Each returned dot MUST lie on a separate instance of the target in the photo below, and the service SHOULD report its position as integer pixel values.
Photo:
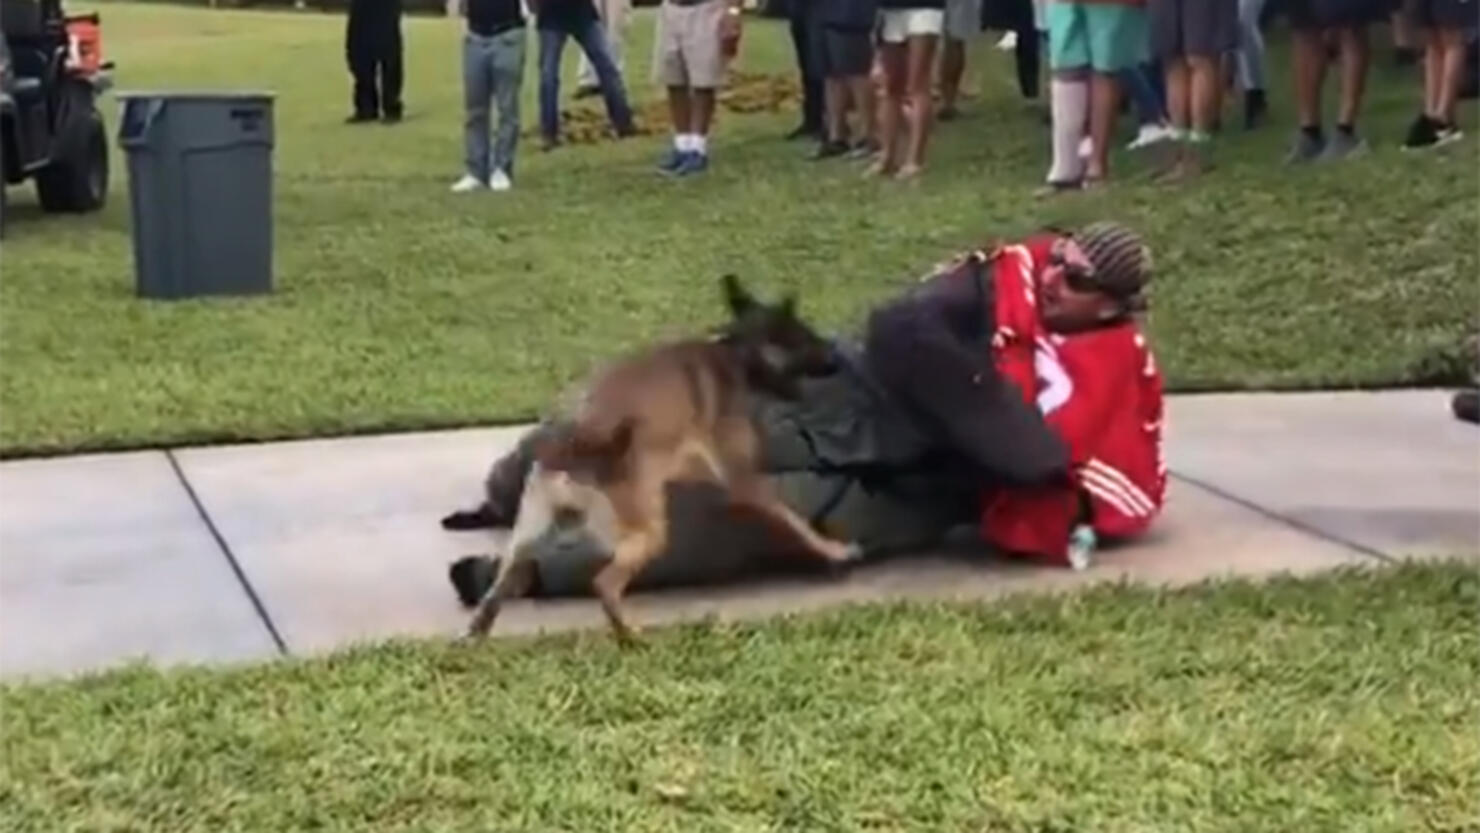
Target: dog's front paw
(465, 519)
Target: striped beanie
(1121, 259)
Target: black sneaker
(829, 150)
(1447, 133)
(360, 118)
(1422, 133)
(391, 117)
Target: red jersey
(1101, 392)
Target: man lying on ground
(1010, 393)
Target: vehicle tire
(78, 182)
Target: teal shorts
(1105, 37)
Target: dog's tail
(588, 446)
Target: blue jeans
(1142, 84)
(493, 68)
(592, 40)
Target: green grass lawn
(1342, 703)
(403, 306)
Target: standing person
(613, 15)
(909, 33)
(805, 41)
(493, 68)
(695, 40)
(1249, 61)
(963, 22)
(557, 20)
(1090, 43)
(1314, 21)
(1446, 25)
(846, 51)
(1190, 38)
(372, 47)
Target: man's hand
(729, 31)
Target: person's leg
(801, 42)
(592, 40)
(1407, 46)
(1026, 56)
(920, 58)
(1310, 76)
(1069, 91)
(508, 82)
(478, 85)
(1250, 62)
(892, 57)
(1104, 107)
(552, 43)
(1355, 57)
(952, 69)
(1452, 70)
(680, 113)
(391, 75)
(671, 70)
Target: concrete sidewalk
(241, 553)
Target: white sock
(699, 143)
(1070, 105)
(681, 142)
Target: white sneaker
(1086, 147)
(1008, 42)
(466, 184)
(1150, 134)
(500, 181)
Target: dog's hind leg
(754, 493)
(514, 580)
(517, 571)
(641, 513)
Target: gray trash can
(200, 191)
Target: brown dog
(676, 411)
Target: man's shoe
(360, 118)
(1151, 134)
(1344, 145)
(585, 91)
(1422, 133)
(467, 184)
(672, 161)
(391, 117)
(693, 163)
(1307, 148)
(500, 181)
(830, 150)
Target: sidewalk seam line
(225, 548)
(1297, 525)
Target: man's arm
(931, 349)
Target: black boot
(1466, 405)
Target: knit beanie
(1121, 259)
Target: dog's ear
(737, 297)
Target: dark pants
(373, 49)
(809, 65)
(1029, 47)
(591, 37)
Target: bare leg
(679, 109)
(1452, 71)
(1310, 75)
(892, 59)
(921, 60)
(1433, 73)
(1104, 105)
(702, 114)
(952, 69)
(835, 91)
(862, 96)
(1355, 57)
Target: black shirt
(490, 17)
(565, 15)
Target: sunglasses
(1077, 276)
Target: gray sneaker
(1306, 149)
(1344, 146)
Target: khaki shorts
(687, 50)
(899, 25)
